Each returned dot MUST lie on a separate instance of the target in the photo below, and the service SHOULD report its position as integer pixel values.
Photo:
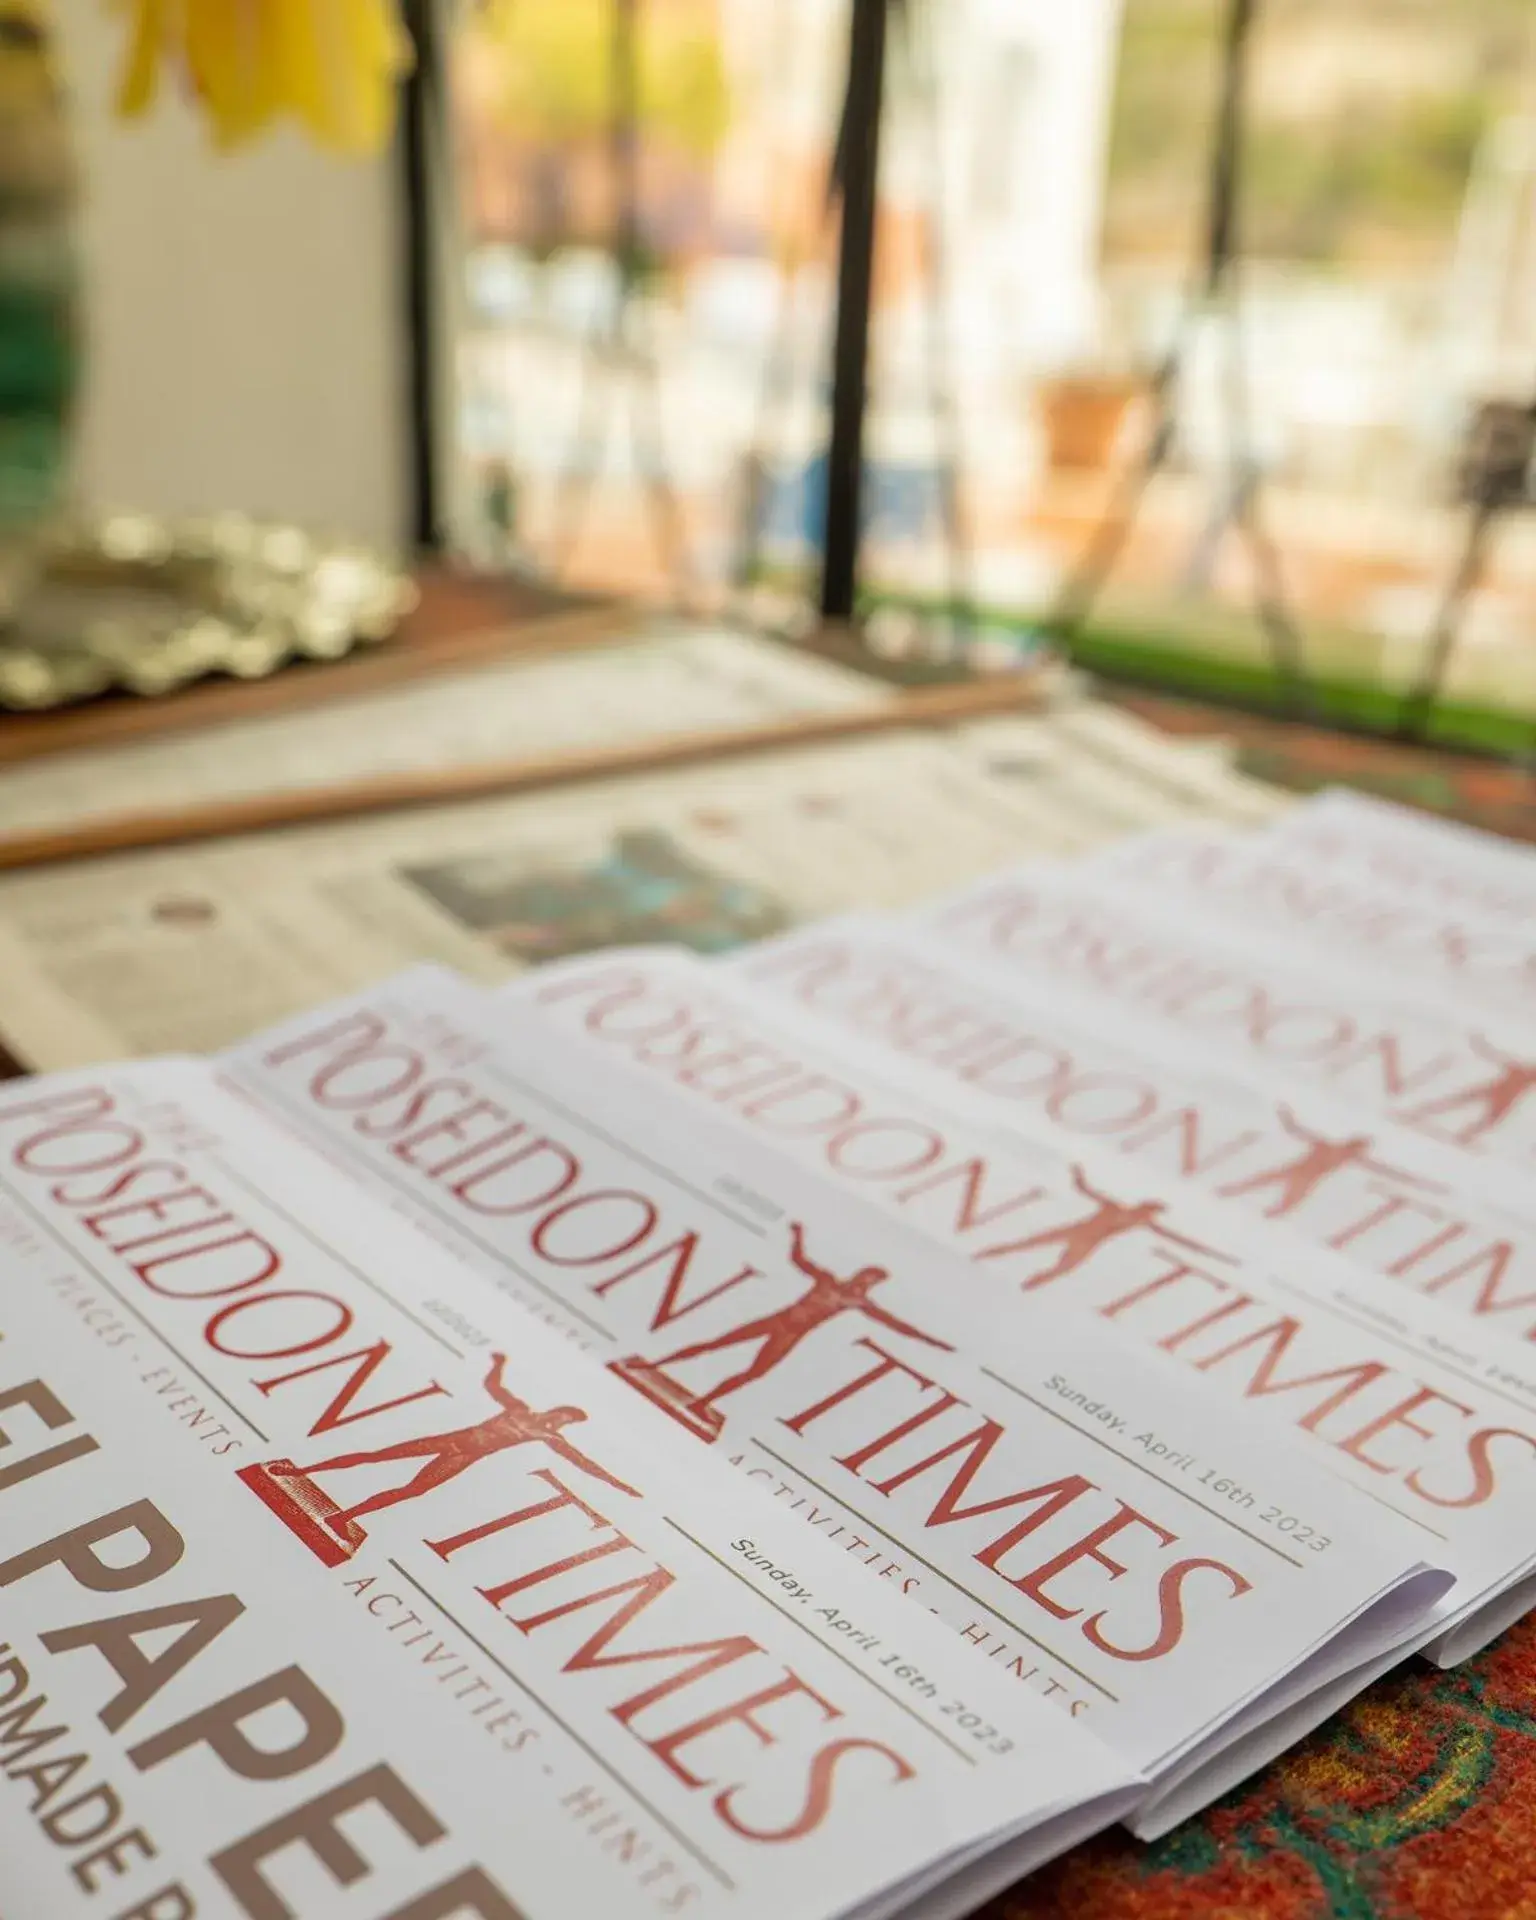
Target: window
(653, 413)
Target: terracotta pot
(1086, 418)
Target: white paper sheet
(1464, 1079)
(1113, 773)
(1424, 858)
(1455, 956)
(557, 1660)
(1047, 1227)
(1430, 1217)
(704, 1270)
(190, 950)
(655, 682)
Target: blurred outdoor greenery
(1366, 118)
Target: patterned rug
(1417, 1803)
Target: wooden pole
(270, 812)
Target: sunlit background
(655, 416)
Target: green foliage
(552, 61)
(1315, 193)
(1170, 665)
(1377, 161)
(1163, 96)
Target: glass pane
(654, 413)
(1387, 297)
(610, 402)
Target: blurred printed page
(160, 952)
(659, 682)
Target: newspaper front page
(655, 681)
(807, 1337)
(190, 950)
(337, 1586)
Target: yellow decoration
(333, 65)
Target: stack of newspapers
(817, 1432)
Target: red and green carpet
(1417, 1803)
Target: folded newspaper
(1417, 857)
(846, 1363)
(1447, 950)
(1431, 1216)
(1421, 1412)
(336, 1585)
(1459, 1070)
(820, 1431)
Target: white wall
(1036, 255)
(244, 315)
